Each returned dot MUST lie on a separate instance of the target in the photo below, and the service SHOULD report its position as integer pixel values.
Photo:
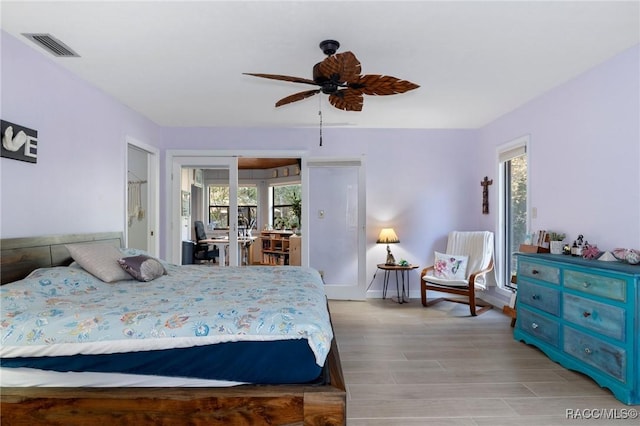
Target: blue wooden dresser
(584, 315)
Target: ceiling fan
(339, 77)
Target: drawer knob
(586, 314)
(587, 351)
(586, 284)
(534, 325)
(535, 297)
(535, 271)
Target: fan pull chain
(320, 114)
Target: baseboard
(374, 294)
(493, 299)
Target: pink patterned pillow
(450, 267)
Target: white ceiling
(181, 63)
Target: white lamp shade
(387, 236)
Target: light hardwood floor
(409, 365)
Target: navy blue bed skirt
(274, 362)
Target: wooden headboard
(20, 256)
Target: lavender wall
(584, 153)
(423, 183)
(78, 183)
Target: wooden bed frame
(320, 404)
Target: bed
(188, 391)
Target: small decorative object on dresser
(578, 245)
(630, 256)
(556, 242)
(538, 242)
(583, 315)
(607, 257)
(590, 251)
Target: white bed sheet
(30, 377)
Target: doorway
(142, 195)
(180, 223)
(223, 161)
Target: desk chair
(203, 251)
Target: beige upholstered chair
(477, 248)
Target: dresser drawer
(538, 326)
(543, 298)
(607, 358)
(598, 285)
(600, 317)
(550, 274)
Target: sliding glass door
(514, 196)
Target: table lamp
(388, 236)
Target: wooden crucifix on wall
(485, 194)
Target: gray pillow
(142, 268)
(100, 260)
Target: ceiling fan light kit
(339, 76)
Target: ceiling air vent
(51, 44)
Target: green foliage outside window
(519, 200)
(219, 205)
(287, 206)
(517, 179)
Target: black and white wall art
(18, 142)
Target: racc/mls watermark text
(601, 413)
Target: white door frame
(153, 193)
(176, 159)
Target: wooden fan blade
(347, 99)
(297, 97)
(341, 68)
(374, 84)
(283, 78)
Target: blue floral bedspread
(67, 311)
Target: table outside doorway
(401, 270)
(222, 243)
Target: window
(219, 206)
(513, 207)
(285, 206)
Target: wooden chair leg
(425, 301)
(423, 292)
(472, 301)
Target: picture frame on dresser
(583, 314)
